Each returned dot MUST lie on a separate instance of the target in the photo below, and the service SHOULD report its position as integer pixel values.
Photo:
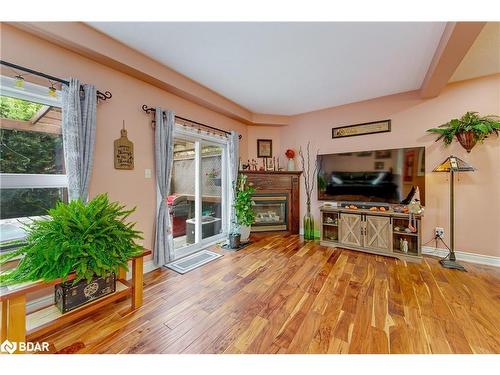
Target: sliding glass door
(199, 191)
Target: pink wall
(129, 187)
(477, 194)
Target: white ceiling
(289, 68)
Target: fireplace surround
(276, 200)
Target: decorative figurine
(254, 164)
(404, 247)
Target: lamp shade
(453, 164)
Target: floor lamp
(452, 164)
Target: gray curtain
(234, 164)
(164, 139)
(78, 129)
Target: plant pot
(467, 140)
(69, 296)
(245, 232)
(234, 241)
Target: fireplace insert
(271, 212)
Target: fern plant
(480, 126)
(90, 239)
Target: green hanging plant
(90, 239)
(468, 129)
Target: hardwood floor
(283, 295)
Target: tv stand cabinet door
(350, 230)
(378, 233)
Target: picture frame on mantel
(364, 128)
(264, 148)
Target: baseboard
(47, 300)
(148, 266)
(487, 260)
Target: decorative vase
(291, 165)
(245, 232)
(308, 226)
(404, 246)
(467, 140)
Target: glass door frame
(199, 139)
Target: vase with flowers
(309, 180)
(290, 154)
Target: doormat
(242, 245)
(193, 261)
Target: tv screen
(386, 176)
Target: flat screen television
(385, 176)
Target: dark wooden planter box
(69, 296)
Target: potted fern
(91, 239)
(469, 129)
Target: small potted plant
(244, 214)
(91, 239)
(214, 175)
(243, 207)
(469, 129)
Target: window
(32, 173)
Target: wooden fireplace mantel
(286, 182)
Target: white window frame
(37, 94)
(198, 138)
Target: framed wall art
(362, 129)
(264, 148)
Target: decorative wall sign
(124, 151)
(264, 148)
(362, 129)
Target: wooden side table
(17, 326)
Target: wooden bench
(17, 326)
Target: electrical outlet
(439, 232)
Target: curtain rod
(100, 95)
(148, 110)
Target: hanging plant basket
(468, 129)
(467, 140)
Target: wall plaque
(124, 151)
(362, 129)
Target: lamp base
(446, 263)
